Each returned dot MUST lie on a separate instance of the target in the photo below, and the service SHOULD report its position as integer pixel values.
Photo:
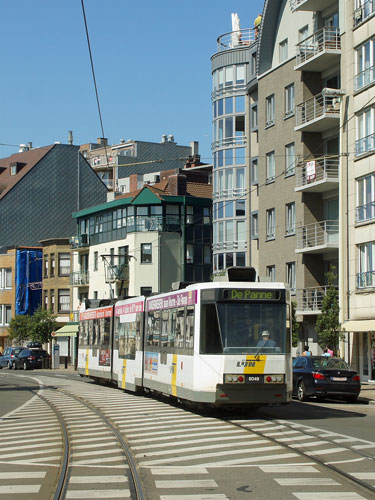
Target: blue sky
(152, 64)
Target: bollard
(66, 362)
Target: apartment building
(142, 242)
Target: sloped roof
(199, 190)
(27, 160)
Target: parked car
(7, 359)
(323, 376)
(30, 358)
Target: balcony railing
(365, 145)
(118, 272)
(325, 42)
(239, 140)
(365, 212)
(79, 278)
(79, 241)
(320, 112)
(100, 162)
(364, 78)
(236, 39)
(366, 280)
(364, 11)
(310, 300)
(228, 90)
(317, 236)
(319, 175)
(229, 193)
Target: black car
(30, 358)
(323, 376)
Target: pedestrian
(326, 353)
(329, 350)
(307, 351)
(257, 24)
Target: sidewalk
(368, 392)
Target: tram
(217, 344)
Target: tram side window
(92, 324)
(153, 328)
(104, 329)
(127, 339)
(164, 328)
(180, 327)
(189, 337)
(83, 329)
(138, 336)
(210, 341)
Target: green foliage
(327, 324)
(295, 325)
(43, 324)
(36, 328)
(20, 328)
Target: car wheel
(24, 365)
(10, 366)
(301, 394)
(351, 399)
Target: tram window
(104, 327)
(127, 338)
(85, 332)
(180, 327)
(90, 332)
(173, 327)
(189, 339)
(164, 328)
(210, 342)
(138, 334)
(153, 328)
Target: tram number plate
(339, 379)
(254, 379)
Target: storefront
(66, 338)
(360, 347)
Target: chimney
(133, 182)
(30, 145)
(70, 137)
(194, 146)
(171, 138)
(103, 141)
(164, 138)
(177, 184)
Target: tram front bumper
(252, 394)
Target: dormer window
(13, 169)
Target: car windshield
(330, 363)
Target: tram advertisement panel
(104, 357)
(171, 301)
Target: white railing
(327, 102)
(366, 280)
(229, 193)
(310, 300)
(365, 145)
(324, 169)
(327, 38)
(229, 141)
(79, 278)
(236, 39)
(318, 234)
(364, 11)
(365, 212)
(364, 78)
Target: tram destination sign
(246, 294)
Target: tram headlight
(234, 379)
(274, 379)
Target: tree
(19, 328)
(43, 324)
(295, 325)
(327, 324)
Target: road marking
(20, 489)
(288, 468)
(90, 453)
(306, 481)
(101, 494)
(176, 442)
(363, 475)
(310, 444)
(208, 496)
(197, 427)
(187, 483)
(326, 451)
(345, 495)
(297, 438)
(170, 436)
(97, 479)
(98, 460)
(240, 461)
(178, 470)
(110, 442)
(22, 475)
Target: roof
(199, 190)
(26, 161)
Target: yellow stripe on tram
(87, 362)
(174, 375)
(123, 374)
(255, 364)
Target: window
(283, 50)
(206, 215)
(241, 231)
(289, 100)
(270, 110)
(146, 290)
(240, 77)
(254, 226)
(365, 131)
(240, 208)
(13, 169)
(123, 255)
(270, 159)
(271, 273)
(52, 261)
(303, 33)
(254, 117)
(189, 253)
(290, 219)
(253, 63)
(366, 198)
(254, 171)
(96, 255)
(240, 178)
(112, 256)
(146, 253)
(45, 267)
(206, 254)
(5, 278)
(290, 159)
(365, 64)
(64, 264)
(64, 300)
(363, 9)
(366, 261)
(45, 299)
(270, 224)
(98, 224)
(291, 276)
(5, 314)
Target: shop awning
(69, 330)
(364, 325)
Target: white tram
(204, 344)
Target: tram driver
(265, 341)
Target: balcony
(238, 140)
(310, 300)
(319, 175)
(241, 39)
(319, 113)
(366, 280)
(364, 78)
(308, 5)
(319, 51)
(102, 163)
(365, 145)
(320, 237)
(365, 212)
(80, 241)
(115, 273)
(79, 278)
(366, 10)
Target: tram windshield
(244, 328)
